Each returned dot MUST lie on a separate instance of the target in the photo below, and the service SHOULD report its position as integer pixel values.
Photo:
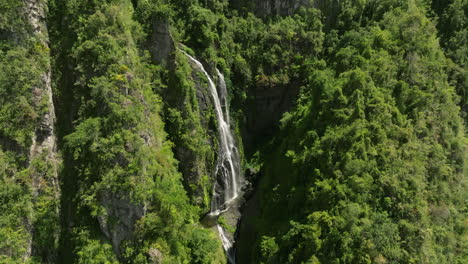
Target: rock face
(120, 218)
(161, 44)
(43, 148)
(156, 257)
(265, 108)
(44, 139)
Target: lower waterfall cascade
(228, 174)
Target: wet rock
(209, 220)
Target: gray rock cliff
(43, 147)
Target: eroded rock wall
(43, 157)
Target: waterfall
(228, 172)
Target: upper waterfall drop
(228, 182)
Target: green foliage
(45, 206)
(268, 248)
(119, 146)
(28, 197)
(201, 24)
(13, 25)
(188, 125)
(222, 221)
(15, 208)
(92, 250)
(374, 143)
(453, 31)
(21, 69)
(204, 246)
(368, 154)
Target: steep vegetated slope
(350, 114)
(130, 204)
(28, 160)
(369, 166)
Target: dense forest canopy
(350, 118)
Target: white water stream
(228, 173)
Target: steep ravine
(211, 106)
(228, 201)
(263, 112)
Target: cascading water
(228, 172)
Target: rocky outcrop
(161, 44)
(43, 150)
(156, 257)
(119, 219)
